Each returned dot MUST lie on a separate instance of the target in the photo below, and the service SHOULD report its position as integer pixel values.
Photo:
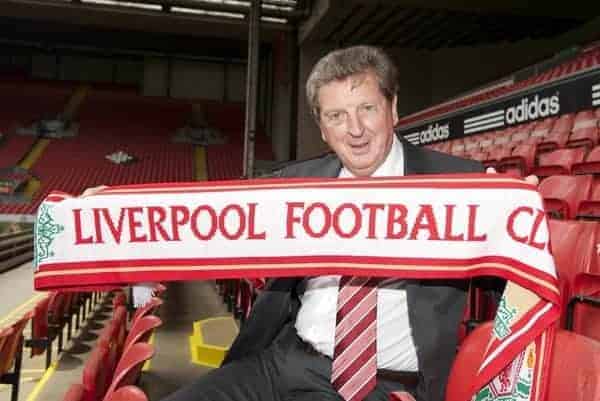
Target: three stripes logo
(484, 122)
(431, 134)
(596, 95)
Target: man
(284, 350)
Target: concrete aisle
(171, 368)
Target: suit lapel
(414, 163)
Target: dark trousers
(286, 371)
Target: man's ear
(395, 118)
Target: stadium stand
(585, 61)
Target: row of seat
(524, 147)
(48, 319)
(114, 366)
(587, 60)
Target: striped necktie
(354, 367)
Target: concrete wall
(309, 142)
(84, 68)
(414, 76)
(156, 77)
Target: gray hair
(342, 63)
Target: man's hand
(92, 191)
(531, 179)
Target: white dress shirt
(315, 322)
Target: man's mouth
(359, 148)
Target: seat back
(130, 366)
(559, 161)
(39, 324)
(562, 194)
(127, 393)
(5, 334)
(141, 330)
(96, 374)
(574, 367)
(13, 344)
(75, 393)
(586, 312)
(573, 245)
(591, 165)
(149, 308)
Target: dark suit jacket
(435, 306)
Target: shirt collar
(393, 165)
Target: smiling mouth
(359, 148)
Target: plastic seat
(127, 393)
(584, 306)
(573, 245)
(586, 137)
(130, 366)
(496, 154)
(522, 159)
(574, 367)
(11, 355)
(40, 335)
(585, 119)
(562, 194)
(141, 330)
(558, 162)
(591, 164)
(75, 393)
(96, 374)
(589, 208)
(150, 308)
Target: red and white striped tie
(354, 367)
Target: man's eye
(368, 107)
(335, 116)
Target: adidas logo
(533, 109)
(432, 133)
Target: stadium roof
(430, 24)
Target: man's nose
(355, 125)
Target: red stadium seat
(141, 330)
(120, 299)
(40, 340)
(149, 308)
(113, 336)
(11, 355)
(75, 392)
(562, 194)
(522, 132)
(522, 159)
(127, 393)
(587, 137)
(589, 208)
(558, 162)
(585, 119)
(574, 366)
(591, 164)
(97, 374)
(479, 155)
(584, 306)
(496, 154)
(573, 244)
(553, 141)
(130, 366)
(543, 127)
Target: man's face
(357, 122)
